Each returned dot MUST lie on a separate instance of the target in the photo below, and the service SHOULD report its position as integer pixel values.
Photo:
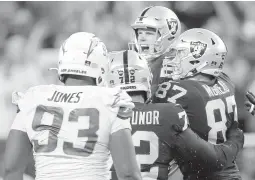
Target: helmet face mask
(172, 65)
(83, 54)
(166, 25)
(130, 72)
(196, 51)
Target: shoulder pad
(226, 78)
(22, 99)
(17, 96)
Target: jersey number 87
(216, 121)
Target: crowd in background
(31, 33)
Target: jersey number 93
(55, 127)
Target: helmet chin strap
(196, 70)
(150, 57)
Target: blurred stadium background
(31, 33)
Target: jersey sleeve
(19, 122)
(119, 124)
(183, 117)
(176, 117)
(24, 102)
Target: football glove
(236, 134)
(249, 105)
(125, 104)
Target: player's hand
(235, 134)
(123, 100)
(249, 105)
(125, 104)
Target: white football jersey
(69, 127)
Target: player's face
(146, 38)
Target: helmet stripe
(63, 48)
(91, 49)
(125, 62)
(143, 13)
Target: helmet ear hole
(63, 78)
(170, 38)
(194, 62)
(213, 42)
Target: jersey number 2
(54, 128)
(152, 156)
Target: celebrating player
(195, 61)
(160, 131)
(74, 128)
(154, 30)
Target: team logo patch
(197, 49)
(87, 63)
(172, 26)
(132, 71)
(111, 82)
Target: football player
(249, 105)
(160, 131)
(195, 62)
(73, 128)
(154, 30)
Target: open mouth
(145, 48)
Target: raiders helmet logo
(172, 26)
(111, 82)
(197, 49)
(120, 72)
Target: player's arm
(123, 155)
(121, 144)
(250, 104)
(17, 151)
(190, 147)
